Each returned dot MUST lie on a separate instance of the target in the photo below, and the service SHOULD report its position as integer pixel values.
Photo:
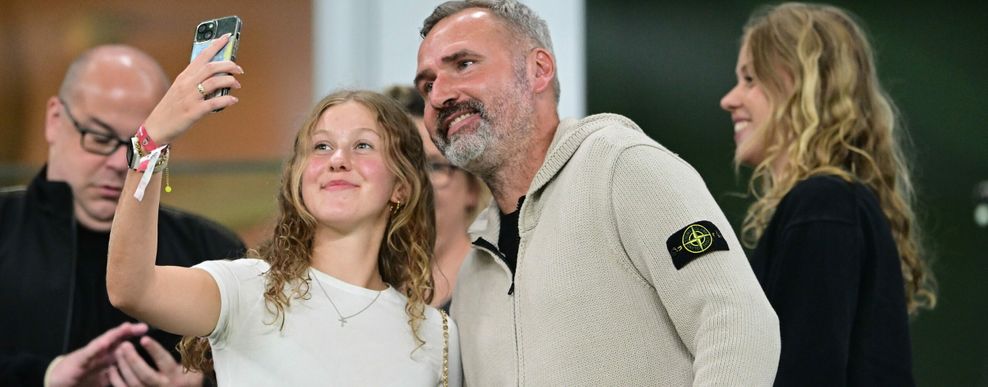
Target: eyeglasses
(440, 173)
(94, 141)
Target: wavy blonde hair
(830, 116)
(406, 250)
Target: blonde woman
(836, 247)
(339, 294)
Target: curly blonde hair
(406, 250)
(830, 116)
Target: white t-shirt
(374, 348)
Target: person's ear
(400, 193)
(53, 117)
(544, 65)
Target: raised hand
(185, 102)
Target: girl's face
(346, 183)
(750, 111)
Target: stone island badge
(694, 241)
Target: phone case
(209, 30)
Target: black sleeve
(221, 243)
(815, 296)
(17, 368)
(217, 241)
(186, 239)
(22, 369)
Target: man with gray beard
(603, 260)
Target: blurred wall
(227, 166)
(666, 64)
(374, 44)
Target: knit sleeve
(714, 300)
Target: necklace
(342, 318)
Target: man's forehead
(457, 32)
(115, 93)
(118, 110)
(461, 25)
(121, 74)
(469, 15)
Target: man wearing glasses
(59, 327)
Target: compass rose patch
(693, 241)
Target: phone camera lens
(205, 31)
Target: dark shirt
(94, 313)
(830, 267)
(508, 238)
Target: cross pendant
(342, 322)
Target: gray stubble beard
(484, 150)
(463, 149)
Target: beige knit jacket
(597, 300)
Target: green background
(667, 64)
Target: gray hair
(521, 21)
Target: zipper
(514, 318)
(70, 308)
(519, 365)
(489, 247)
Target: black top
(53, 273)
(94, 313)
(830, 268)
(508, 238)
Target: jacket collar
(53, 197)
(568, 138)
(570, 134)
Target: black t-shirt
(508, 238)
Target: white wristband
(152, 160)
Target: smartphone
(207, 31)
(136, 342)
(165, 339)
